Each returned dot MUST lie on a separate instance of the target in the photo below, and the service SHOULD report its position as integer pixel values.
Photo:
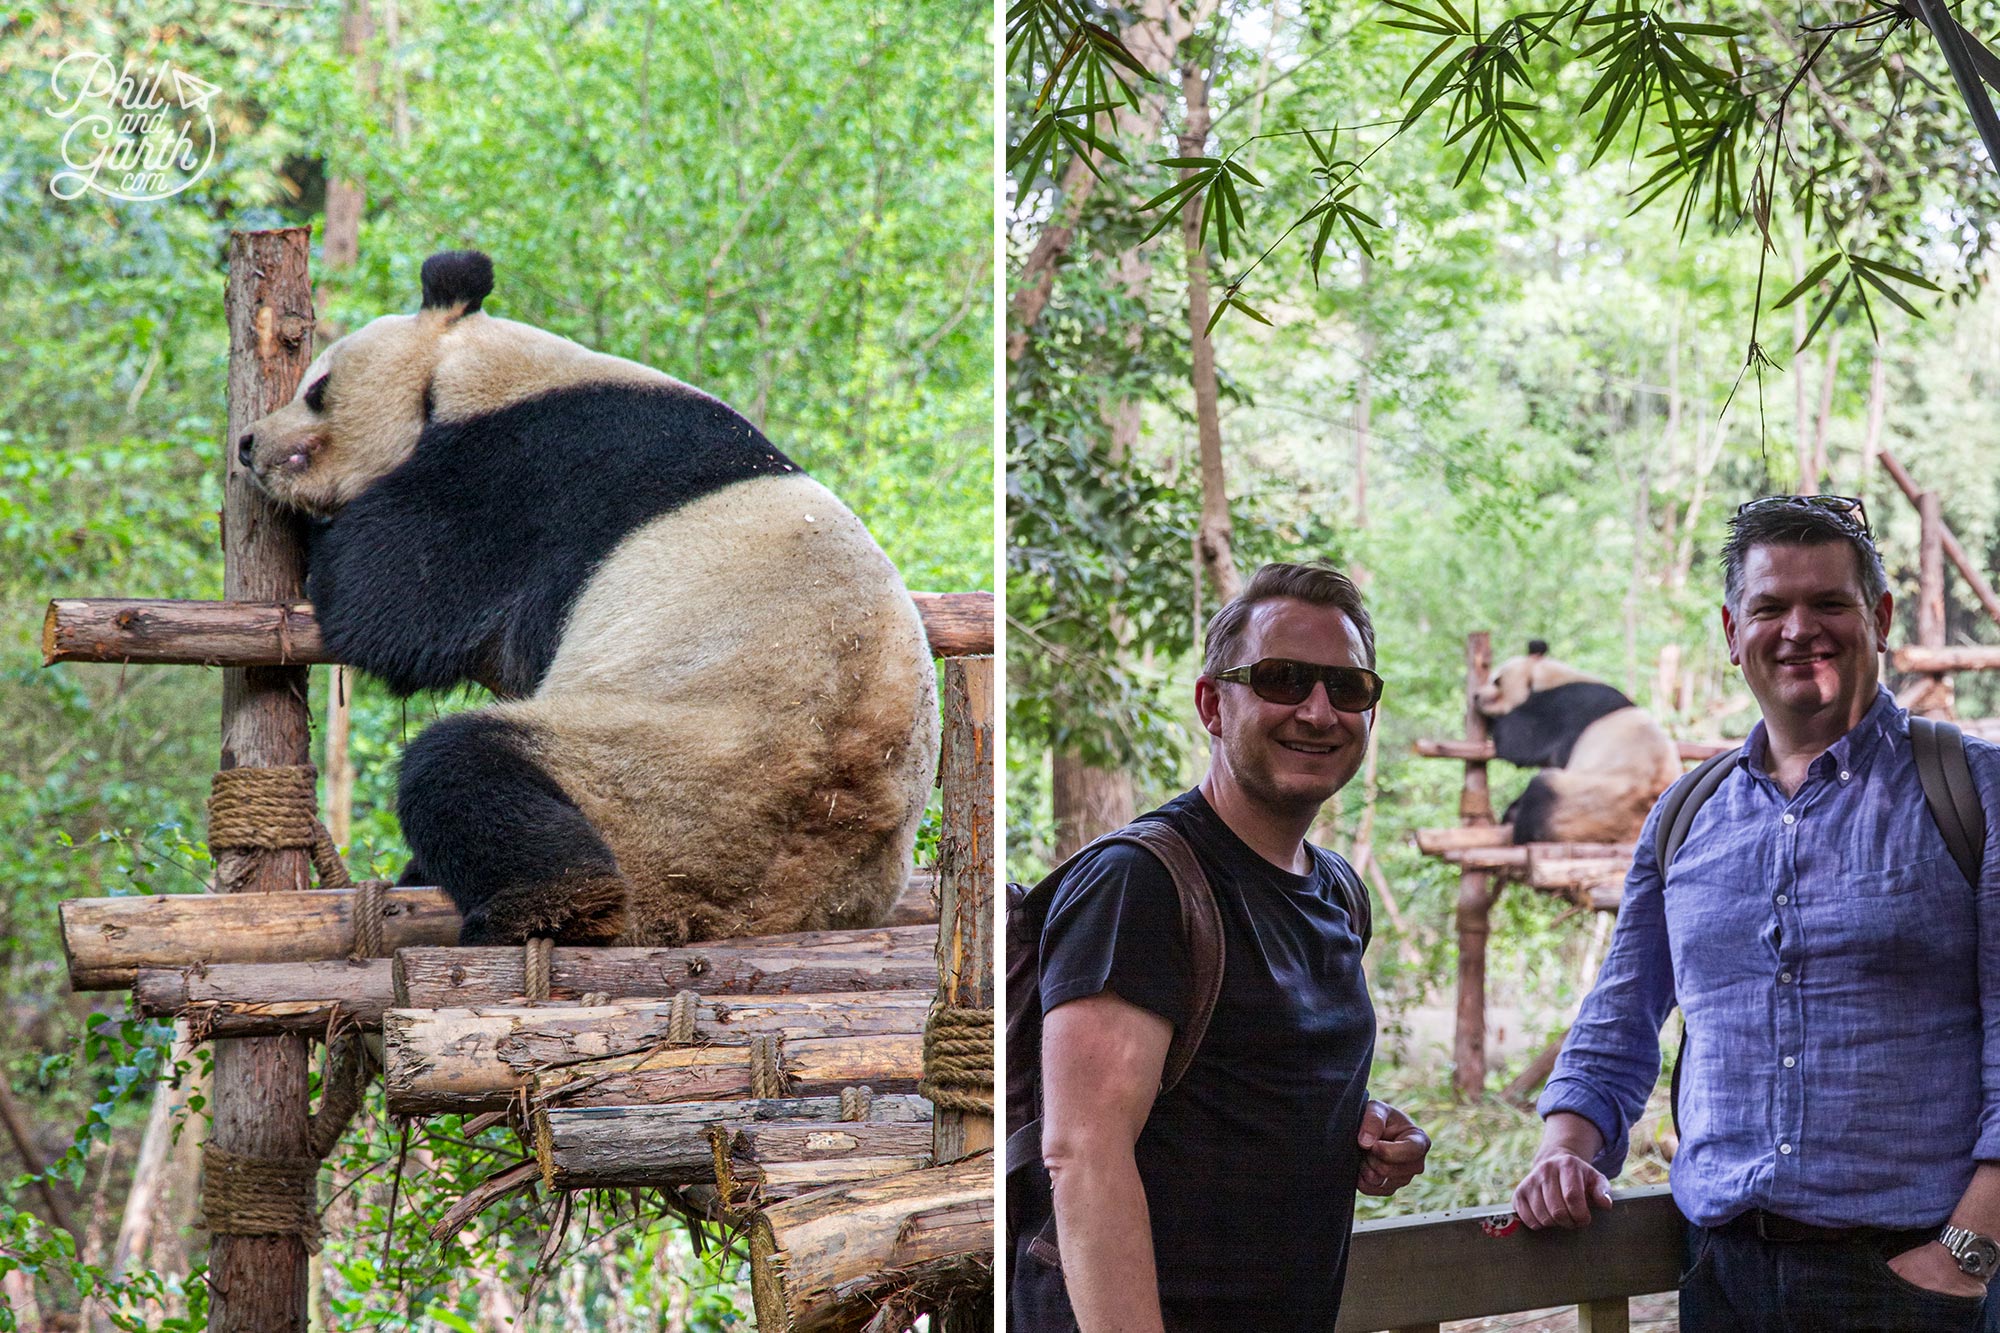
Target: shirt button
(1782, 900)
(1790, 1061)
(1784, 976)
(1785, 1148)
(1791, 819)
(1845, 775)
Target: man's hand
(1392, 1150)
(1560, 1190)
(1931, 1267)
(1562, 1187)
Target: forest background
(1511, 306)
(788, 204)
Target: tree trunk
(1214, 539)
(1824, 421)
(1089, 801)
(161, 1203)
(1878, 398)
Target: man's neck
(1279, 837)
(1791, 742)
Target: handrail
(1420, 1271)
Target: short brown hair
(1319, 584)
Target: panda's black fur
(1542, 732)
(717, 707)
(522, 506)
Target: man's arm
(1102, 1058)
(1929, 1265)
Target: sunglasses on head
(1280, 680)
(1847, 508)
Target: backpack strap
(1201, 925)
(1939, 751)
(1684, 801)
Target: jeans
(1736, 1283)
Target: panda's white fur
(718, 708)
(1605, 761)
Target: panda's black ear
(457, 277)
(1538, 648)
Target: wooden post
(1611, 1315)
(1475, 887)
(965, 912)
(1937, 697)
(258, 1283)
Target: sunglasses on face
(1847, 508)
(1280, 680)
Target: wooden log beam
(885, 958)
(965, 860)
(1433, 1268)
(1953, 551)
(258, 1282)
(1579, 873)
(263, 999)
(109, 940)
(758, 1165)
(486, 1055)
(823, 1065)
(1439, 841)
(1923, 659)
(1476, 890)
(247, 633)
(824, 1261)
(606, 1147)
(1691, 752)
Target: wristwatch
(1977, 1255)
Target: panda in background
(718, 707)
(1606, 760)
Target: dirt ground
(1654, 1314)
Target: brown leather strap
(1201, 925)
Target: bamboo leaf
(1820, 270)
(1831, 302)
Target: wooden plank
(1577, 873)
(758, 1165)
(1472, 918)
(825, 1261)
(1438, 841)
(252, 632)
(886, 958)
(486, 1055)
(108, 940)
(601, 1147)
(1438, 1267)
(719, 1073)
(263, 999)
(1610, 1315)
(1482, 751)
(1952, 549)
(1925, 659)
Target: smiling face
(1286, 758)
(1808, 643)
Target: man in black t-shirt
(1226, 1203)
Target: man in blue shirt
(1839, 979)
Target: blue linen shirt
(1840, 982)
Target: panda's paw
(578, 910)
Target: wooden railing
(1411, 1274)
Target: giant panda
(717, 707)
(1604, 759)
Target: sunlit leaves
(1212, 180)
(1484, 82)
(1065, 53)
(1647, 66)
(1861, 275)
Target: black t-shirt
(1250, 1162)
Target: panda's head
(366, 400)
(1518, 677)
